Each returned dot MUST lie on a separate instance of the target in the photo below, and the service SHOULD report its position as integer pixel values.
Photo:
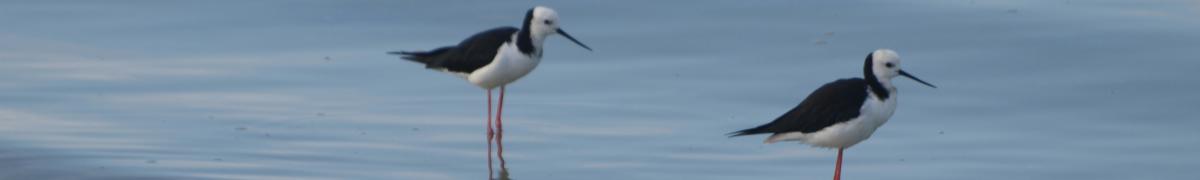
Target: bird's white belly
(873, 114)
(506, 68)
(844, 134)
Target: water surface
(303, 90)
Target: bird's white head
(885, 65)
(542, 22)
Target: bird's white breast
(508, 66)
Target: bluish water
(303, 90)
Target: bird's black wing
(477, 51)
(470, 54)
(833, 103)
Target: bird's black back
(835, 102)
(472, 53)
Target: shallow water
(303, 90)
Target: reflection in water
(500, 154)
(499, 137)
(491, 175)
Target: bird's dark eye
(548, 22)
(890, 65)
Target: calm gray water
(303, 90)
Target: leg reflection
(500, 153)
(499, 137)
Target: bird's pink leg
(499, 111)
(489, 133)
(489, 119)
(837, 172)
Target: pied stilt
(496, 57)
(841, 113)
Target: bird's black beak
(564, 33)
(910, 76)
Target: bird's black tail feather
(411, 56)
(423, 57)
(751, 131)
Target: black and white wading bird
(843, 112)
(496, 57)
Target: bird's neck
(881, 87)
(529, 43)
